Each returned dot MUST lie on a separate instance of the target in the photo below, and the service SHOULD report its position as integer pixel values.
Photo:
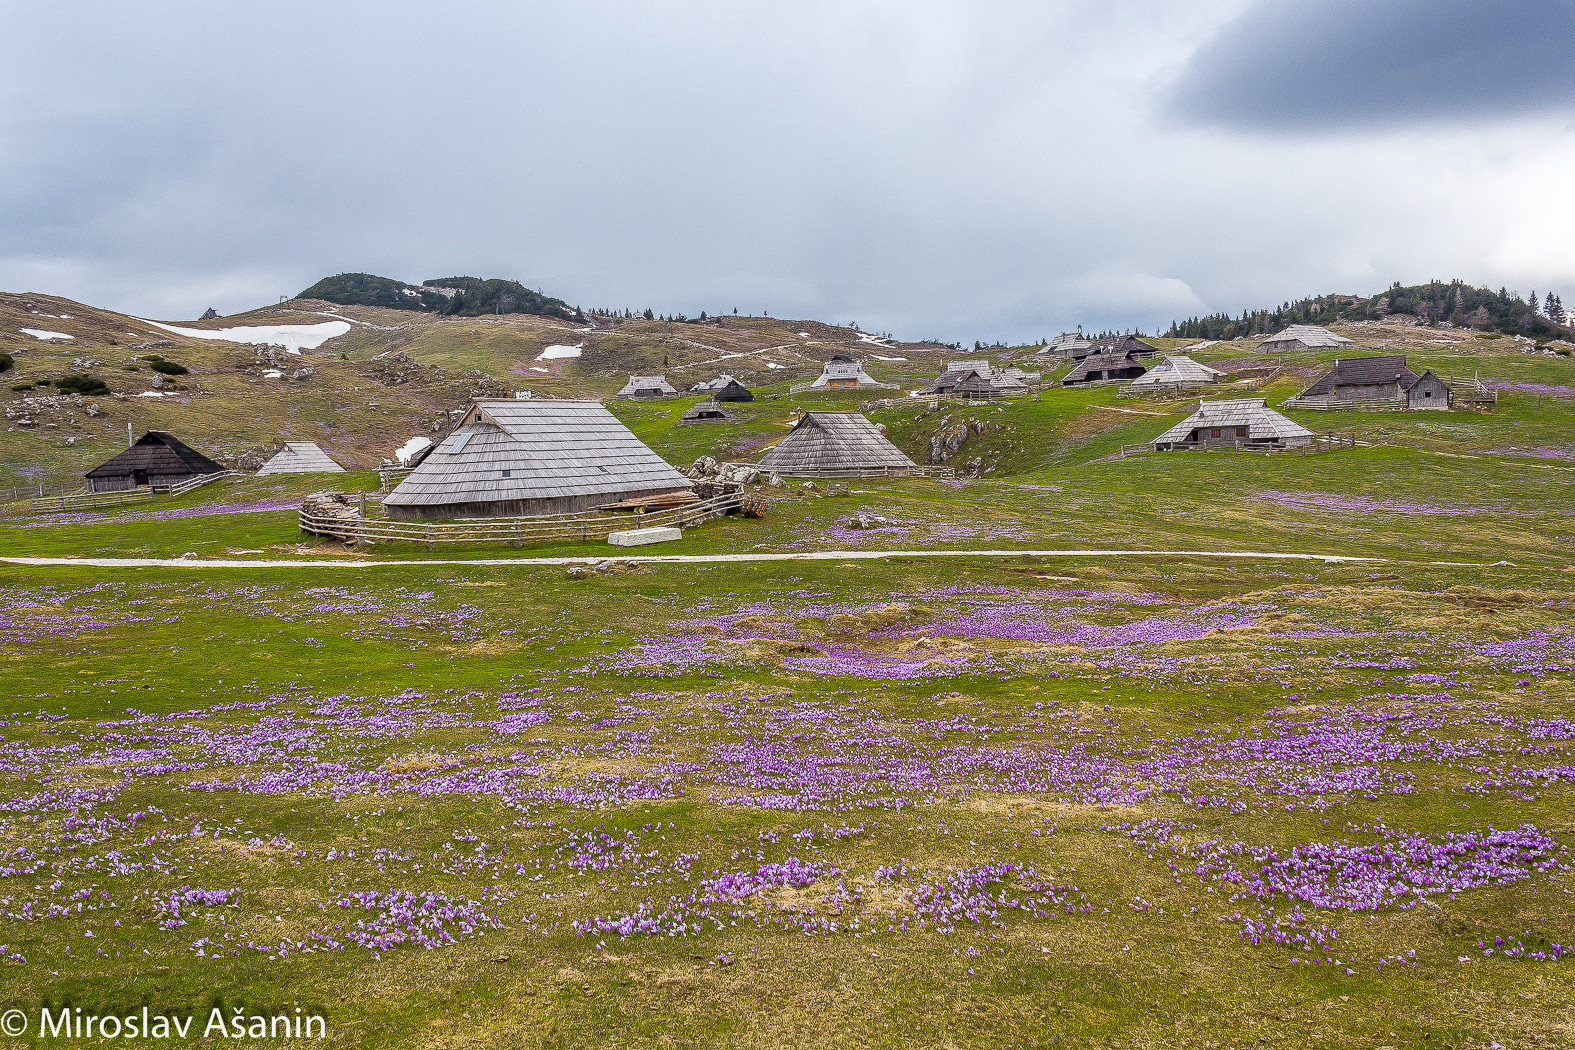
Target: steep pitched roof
(1364, 371)
(1309, 335)
(1177, 369)
(733, 390)
(156, 452)
(641, 383)
(706, 411)
(1110, 361)
(300, 457)
(508, 450)
(834, 441)
(1254, 413)
(842, 368)
(1129, 344)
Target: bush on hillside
(7, 362)
(166, 368)
(80, 384)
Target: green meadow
(1162, 798)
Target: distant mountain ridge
(452, 296)
(1454, 302)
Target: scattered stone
(776, 481)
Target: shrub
(168, 368)
(80, 384)
(7, 362)
(22, 386)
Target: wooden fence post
(430, 545)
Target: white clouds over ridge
(962, 170)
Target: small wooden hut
(300, 457)
(734, 391)
(1247, 423)
(1179, 372)
(707, 412)
(1304, 337)
(836, 444)
(976, 380)
(157, 460)
(844, 373)
(1377, 382)
(645, 387)
(511, 458)
(1114, 365)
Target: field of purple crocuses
(1000, 804)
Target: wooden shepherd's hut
(300, 457)
(1247, 423)
(511, 458)
(157, 460)
(836, 444)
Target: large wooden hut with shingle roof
(512, 458)
(1376, 382)
(1246, 423)
(836, 444)
(1110, 366)
(644, 387)
(157, 460)
(1304, 337)
(300, 457)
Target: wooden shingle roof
(1110, 361)
(1177, 369)
(1309, 335)
(643, 385)
(834, 441)
(300, 457)
(510, 450)
(1364, 371)
(1254, 413)
(156, 452)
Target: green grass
(371, 686)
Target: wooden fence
(518, 531)
(865, 472)
(84, 500)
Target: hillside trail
(704, 559)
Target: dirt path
(676, 559)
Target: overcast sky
(970, 170)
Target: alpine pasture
(1176, 789)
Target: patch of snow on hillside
(412, 448)
(773, 364)
(273, 373)
(865, 337)
(803, 335)
(45, 334)
(544, 371)
(151, 393)
(553, 353)
(293, 337)
(880, 358)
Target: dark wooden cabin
(158, 460)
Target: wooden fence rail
(866, 472)
(518, 531)
(88, 500)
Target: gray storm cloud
(1300, 66)
(957, 170)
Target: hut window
(1214, 432)
(508, 473)
(1241, 432)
